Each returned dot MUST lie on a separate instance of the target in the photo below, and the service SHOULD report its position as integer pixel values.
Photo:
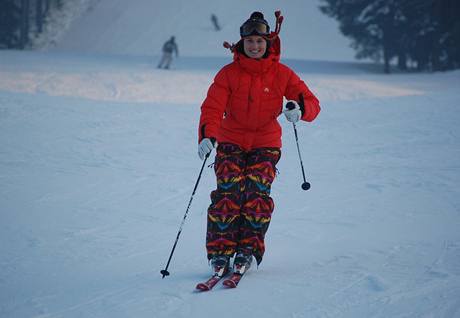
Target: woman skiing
(239, 117)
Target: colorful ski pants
(241, 206)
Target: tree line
(417, 34)
(19, 18)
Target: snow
(141, 28)
(98, 161)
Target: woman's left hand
(292, 111)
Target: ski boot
(242, 262)
(220, 265)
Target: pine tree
(446, 14)
(426, 32)
(372, 25)
(10, 23)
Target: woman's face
(254, 46)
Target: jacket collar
(254, 66)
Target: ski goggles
(254, 28)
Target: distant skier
(169, 47)
(215, 23)
(239, 117)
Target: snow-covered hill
(142, 26)
(98, 161)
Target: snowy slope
(142, 26)
(98, 161)
(96, 172)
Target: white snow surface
(98, 161)
(141, 27)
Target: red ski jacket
(246, 97)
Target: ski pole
(165, 272)
(305, 185)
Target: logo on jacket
(266, 90)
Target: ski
(220, 271)
(240, 267)
(233, 280)
(210, 283)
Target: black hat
(256, 15)
(255, 25)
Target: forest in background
(418, 34)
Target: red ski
(219, 273)
(220, 267)
(233, 280)
(209, 284)
(241, 266)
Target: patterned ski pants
(241, 207)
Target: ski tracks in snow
(95, 187)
